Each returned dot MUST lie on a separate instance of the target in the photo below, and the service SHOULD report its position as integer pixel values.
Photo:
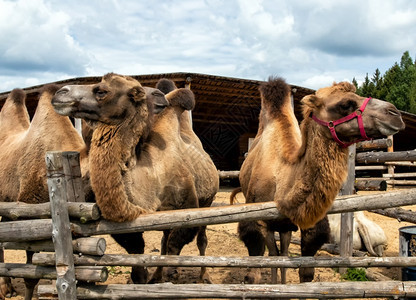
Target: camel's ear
(166, 85)
(312, 101)
(183, 97)
(137, 94)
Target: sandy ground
(223, 240)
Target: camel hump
(165, 85)
(50, 88)
(274, 92)
(18, 96)
(182, 97)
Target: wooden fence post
(390, 168)
(73, 177)
(347, 219)
(61, 233)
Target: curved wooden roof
(214, 94)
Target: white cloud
(308, 43)
(35, 37)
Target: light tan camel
(139, 163)
(24, 144)
(367, 235)
(303, 168)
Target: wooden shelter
(226, 112)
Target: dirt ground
(223, 241)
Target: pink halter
(331, 125)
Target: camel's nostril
(393, 112)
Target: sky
(309, 43)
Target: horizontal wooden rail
(89, 274)
(379, 157)
(80, 210)
(374, 144)
(236, 213)
(228, 261)
(87, 245)
(320, 290)
(228, 174)
(41, 229)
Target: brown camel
(24, 144)
(303, 168)
(139, 163)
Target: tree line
(397, 85)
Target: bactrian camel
(24, 144)
(302, 168)
(367, 235)
(139, 163)
(24, 179)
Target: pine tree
(397, 85)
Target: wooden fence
(63, 220)
(376, 166)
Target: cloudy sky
(310, 43)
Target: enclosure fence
(77, 259)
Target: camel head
(348, 118)
(112, 101)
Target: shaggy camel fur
(24, 144)
(139, 163)
(302, 168)
(367, 235)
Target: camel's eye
(100, 93)
(348, 105)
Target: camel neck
(319, 176)
(111, 156)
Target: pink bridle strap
(357, 114)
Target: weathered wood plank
(371, 185)
(347, 220)
(73, 177)
(89, 245)
(236, 213)
(228, 174)
(61, 234)
(41, 229)
(398, 213)
(399, 175)
(320, 290)
(15, 210)
(378, 157)
(370, 168)
(20, 231)
(374, 144)
(88, 274)
(47, 259)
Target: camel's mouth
(390, 127)
(63, 108)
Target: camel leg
(157, 275)
(178, 238)
(251, 235)
(311, 241)
(134, 244)
(285, 238)
(29, 283)
(273, 251)
(6, 288)
(202, 243)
